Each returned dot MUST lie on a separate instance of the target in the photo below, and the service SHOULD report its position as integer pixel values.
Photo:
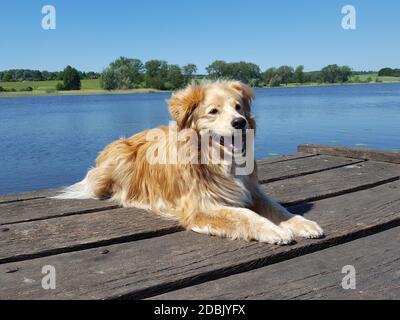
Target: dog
(208, 198)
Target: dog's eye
(213, 111)
(238, 107)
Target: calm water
(49, 142)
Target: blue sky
(90, 34)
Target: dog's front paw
(302, 227)
(275, 235)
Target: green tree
(71, 79)
(108, 79)
(156, 74)
(330, 73)
(267, 75)
(345, 74)
(129, 72)
(175, 77)
(333, 73)
(217, 69)
(243, 71)
(189, 71)
(286, 74)
(123, 73)
(298, 75)
(312, 76)
(7, 76)
(275, 81)
(389, 72)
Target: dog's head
(218, 108)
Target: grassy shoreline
(296, 85)
(91, 87)
(83, 92)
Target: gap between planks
(314, 276)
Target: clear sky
(90, 34)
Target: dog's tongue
(232, 147)
(236, 145)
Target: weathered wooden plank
(154, 266)
(377, 155)
(38, 238)
(275, 159)
(42, 207)
(269, 172)
(332, 182)
(64, 234)
(22, 196)
(376, 260)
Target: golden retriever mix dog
(206, 197)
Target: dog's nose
(239, 123)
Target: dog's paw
(302, 227)
(275, 235)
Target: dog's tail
(79, 190)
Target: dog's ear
(184, 102)
(246, 91)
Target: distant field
(374, 76)
(41, 88)
(48, 85)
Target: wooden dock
(102, 251)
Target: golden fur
(205, 197)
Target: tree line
(15, 75)
(389, 72)
(273, 77)
(127, 73)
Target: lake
(48, 142)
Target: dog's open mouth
(235, 143)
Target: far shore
(35, 93)
(82, 92)
(315, 84)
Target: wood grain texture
(39, 238)
(154, 266)
(332, 182)
(376, 260)
(22, 196)
(275, 159)
(43, 208)
(78, 231)
(269, 172)
(377, 155)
